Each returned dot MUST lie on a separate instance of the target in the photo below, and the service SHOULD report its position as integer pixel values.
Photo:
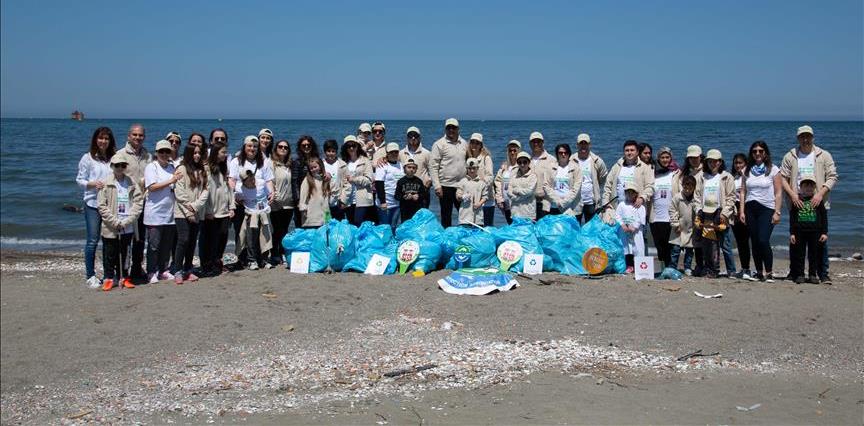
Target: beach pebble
(857, 256)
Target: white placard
(644, 267)
(532, 264)
(300, 262)
(377, 265)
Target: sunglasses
(413, 136)
(281, 146)
(164, 151)
(562, 153)
(120, 165)
(220, 139)
(377, 131)
(175, 141)
(522, 162)
(352, 146)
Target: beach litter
(750, 408)
(708, 296)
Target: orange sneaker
(107, 285)
(127, 283)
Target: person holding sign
(714, 198)
(631, 217)
(563, 184)
(522, 188)
(472, 194)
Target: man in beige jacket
(414, 150)
(628, 169)
(542, 164)
(137, 158)
(594, 173)
(447, 168)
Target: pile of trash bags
(339, 246)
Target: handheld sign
(644, 267)
(533, 264)
(377, 265)
(300, 262)
(462, 255)
(509, 252)
(595, 261)
(406, 254)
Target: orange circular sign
(595, 260)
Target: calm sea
(40, 156)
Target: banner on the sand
(477, 282)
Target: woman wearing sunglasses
(159, 179)
(563, 184)
(282, 208)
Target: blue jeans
(389, 216)
(676, 253)
(760, 227)
(728, 257)
(93, 222)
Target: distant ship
(77, 115)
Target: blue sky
(477, 60)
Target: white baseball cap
(378, 125)
(515, 142)
(714, 154)
(535, 135)
(583, 137)
(523, 154)
(392, 146)
(349, 138)
(451, 122)
(265, 131)
(250, 138)
(164, 144)
(413, 129)
(476, 137)
(805, 129)
(694, 151)
(365, 127)
(172, 133)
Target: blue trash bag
(313, 241)
(451, 238)
(429, 257)
(557, 235)
(597, 233)
(521, 231)
(670, 274)
(424, 225)
(481, 250)
(372, 239)
(341, 243)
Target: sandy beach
(270, 347)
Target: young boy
(681, 213)
(632, 220)
(471, 194)
(255, 231)
(120, 203)
(808, 229)
(386, 176)
(411, 193)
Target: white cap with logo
(451, 122)
(535, 136)
(805, 129)
(476, 137)
(583, 137)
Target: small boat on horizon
(77, 115)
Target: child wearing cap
(682, 210)
(478, 152)
(471, 194)
(119, 202)
(159, 180)
(715, 198)
(314, 195)
(522, 188)
(411, 192)
(386, 177)
(255, 232)
(502, 179)
(632, 220)
(808, 229)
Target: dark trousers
(588, 211)
(407, 210)
(760, 227)
(508, 215)
(742, 239)
(187, 237)
(159, 240)
(114, 256)
(281, 221)
(237, 222)
(660, 232)
(806, 243)
(138, 248)
(361, 214)
(539, 210)
(424, 202)
(489, 216)
(448, 203)
(214, 238)
(711, 254)
(337, 212)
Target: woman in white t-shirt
(739, 228)
(250, 157)
(93, 169)
(759, 207)
(159, 180)
(658, 214)
(502, 179)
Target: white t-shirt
(389, 173)
(124, 204)
(352, 168)
(738, 188)
(761, 188)
(711, 191)
(587, 183)
(159, 206)
(662, 197)
(626, 214)
(505, 185)
(806, 166)
(625, 176)
(562, 182)
(263, 174)
(333, 169)
(254, 199)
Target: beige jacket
(447, 162)
(220, 198)
(543, 167)
(337, 183)
(136, 163)
(485, 172)
(826, 171)
(190, 202)
(283, 197)
(676, 183)
(106, 203)
(643, 177)
(571, 203)
(681, 214)
(727, 194)
(364, 182)
(261, 222)
(312, 207)
(523, 194)
(598, 173)
(421, 159)
(498, 183)
(476, 191)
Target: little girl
(314, 195)
(632, 220)
(119, 202)
(472, 193)
(255, 232)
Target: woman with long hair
(485, 167)
(739, 228)
(502, 179)
(759, 207)
(283, 200)
(218, 211)
(306, 149)
(658, 210)
(358, 183)
(314, 195)
(93, 169)
(190, 194)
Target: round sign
(595, 260)
(462, 254)
(408, 251)
(509, 252)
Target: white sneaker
(746, 276)
(253, 266)
(165, 275)
(268, 265)
(688, 272)
(94, 282)
(153, 278)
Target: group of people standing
(187, 197)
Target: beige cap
(349, 138)
(476, 137)
(451, 122)
(410, 162)
(265, 131)
(173, 133)
(472, 162)
(118, 159)
(803, 178)
(163, 144)
(413, 129)
(535, 135)
(805, 129)
(694, 151)
(523, 154)
(392, 146)
(631, 186)
(708, 209)
(365, 127)
(378, 125)
(714, 154)
(583, 137)
(250, 138)
(515, 142)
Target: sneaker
(153, 278)
(759, 277)
(812, 279)
(769, 277)
(138, 273)
(107, 284)
(268, 265)
(178, 279)
(252, 266)
(191, 277)
(711, 274)
(798, 280)
(630, 269)
(745, 275)
(826, 280)
(93, 282)
(165, 275)
(127, 283)
(688, 272)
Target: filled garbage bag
(425, 228)
(372, 239)
(341, 243)
(476, 250)
(597, 233)
(557, 235)
(522, 231)
(313, 241)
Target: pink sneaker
(630, 269)
(165, 275)
(191, 277)
(178, 279)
